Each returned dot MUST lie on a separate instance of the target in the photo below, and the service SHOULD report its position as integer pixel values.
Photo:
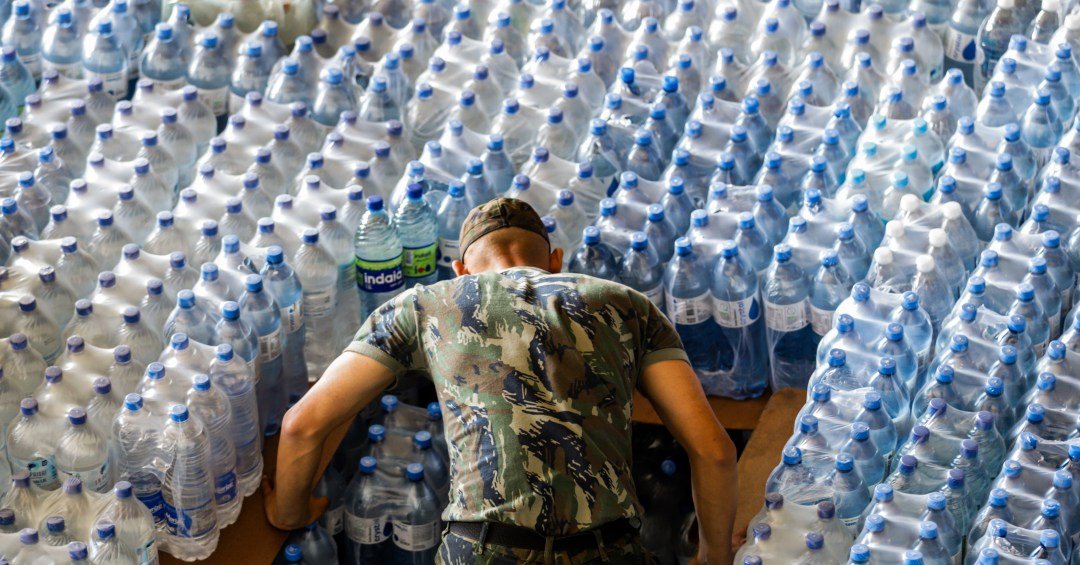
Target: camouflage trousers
(458, 550)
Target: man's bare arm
(311, 432)
(676, 393)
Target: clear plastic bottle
(378, 251)
(40, 330)
(165, 58)
(105, 58)
(189, 486)
(212, 407)
(61, 45)
(133, 523)
(232, 376)
(209, 72)
(30, 447)
(263, 313)
(81, 452)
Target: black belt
(517, 537)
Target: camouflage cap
(498, 214)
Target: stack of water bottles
(209, 192)
(922, 379)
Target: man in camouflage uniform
(536, 371)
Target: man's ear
(555, 261)
(459, 268)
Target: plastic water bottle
(378, 252)
(367, 521)
(190, 318)
(190, 509)
(81, 452)
(595, 257)
(235, 379)
(417, 227)
(451, 215)
(792, 342)
(164, 60)
(318, 274)
(209, 72)
(284, 284)
(641, 270)
(29, 446)
(994, 35)
(417, 528)
(105, 58)
(259, 307)
(212, 407)
(133, 523)
(135, 435)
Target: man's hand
(311, 432)
(676, 394)
(290, 518)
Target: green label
(419, 262)
(379, 276)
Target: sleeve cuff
(669, 354)
(368, 350)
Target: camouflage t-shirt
(536, 373)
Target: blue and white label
(367, 531)
(449, 251)
(821, 320)
(95, 478)
(787, 317)
(190, 522)
(225, 488)
(417, 537)
(155, 503)
(736, 313)
(42, 471)
(689, 311)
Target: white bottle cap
(1051, 6)
(1072, 21)
(938, 238)
(1006, 4)
(952, 210)
(909, 203)
(925, 263)
(894, 229)
(883, 256)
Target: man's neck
(497, 264)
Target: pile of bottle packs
(874, 202)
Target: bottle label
(689, 311)
(174, 84)
(96, 479)
(319, 304)
(379, 276)
(32, 62)
(332, 520)
(418, 262)
(420, 537)
(42, 471)
(821, 320)
(736, 313)
(115, 84)
(367, 531)
(656, 295)
(190, 522)
(155, 503)
(787, 317)
(449, 251)
(962, 47)
(217, 99)
(225, 488)
(270, 345)
(69, 70)
(292, 317)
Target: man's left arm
(311, 432)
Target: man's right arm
(676, 394)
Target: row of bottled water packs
(873, 202)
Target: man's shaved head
(509, 247)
